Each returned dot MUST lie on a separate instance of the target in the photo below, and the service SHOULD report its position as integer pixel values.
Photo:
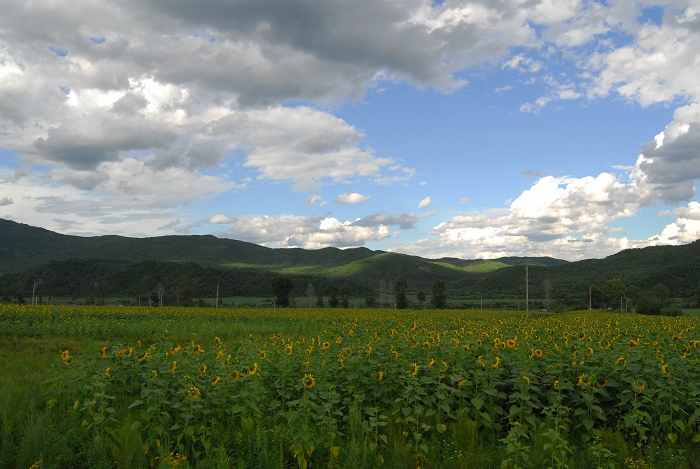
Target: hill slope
(122, 266)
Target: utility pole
(527, 291)
(590, 299)
(217, 296)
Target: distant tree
(390, 292)
(186, 295)
(332, 290)
(614, 291)
(37, 281)
(160, 291)
(282, 288)
(697, 295)
(310, 292)
(596, 296)
(382, 289)
(319, 300)
(439, 294)
(400, 290)
(20, 300)
(370, 301)
(632, 292)
(421, 296)
(648, 304)
(344, 293)
(661, 293)
(547, 292)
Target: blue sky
(472, 129)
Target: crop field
(88, 386)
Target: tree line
(391, 294)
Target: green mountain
(193, 266)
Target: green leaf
(137, 402)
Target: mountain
(123, 266)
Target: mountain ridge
(114, 265)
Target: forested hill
(123, 266)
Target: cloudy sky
(473, 129)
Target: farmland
(88, 386)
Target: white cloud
(306, 232)
(685, 229)
(315, 200)
(425, 202)
(669, 165)
(658, 66)
(131, 133)
(563, 217)
(353, 198)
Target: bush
(648, 305)
(673, 310)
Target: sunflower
(461, 383)
(381, 375)
(308, 381)
(202, 370)
(174, 367)
(216, 381)
(67, 359)
(103, 352)
(107, 375)
(288, 349)
(414, 369)
(666, 369)
(526, 378)
(496, 342)
(236, 374)
(254, 369)
(326, 345)
(537, 353)
(193, 393)
(511, 343)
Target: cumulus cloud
(315, 200)
(425, 202)
(405, 221)
(353, 198)
(685, 229)
(564, 217)
(668, 165)
(177, 103)
(308, 232)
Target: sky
(468, 129)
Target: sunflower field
(356, 388)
